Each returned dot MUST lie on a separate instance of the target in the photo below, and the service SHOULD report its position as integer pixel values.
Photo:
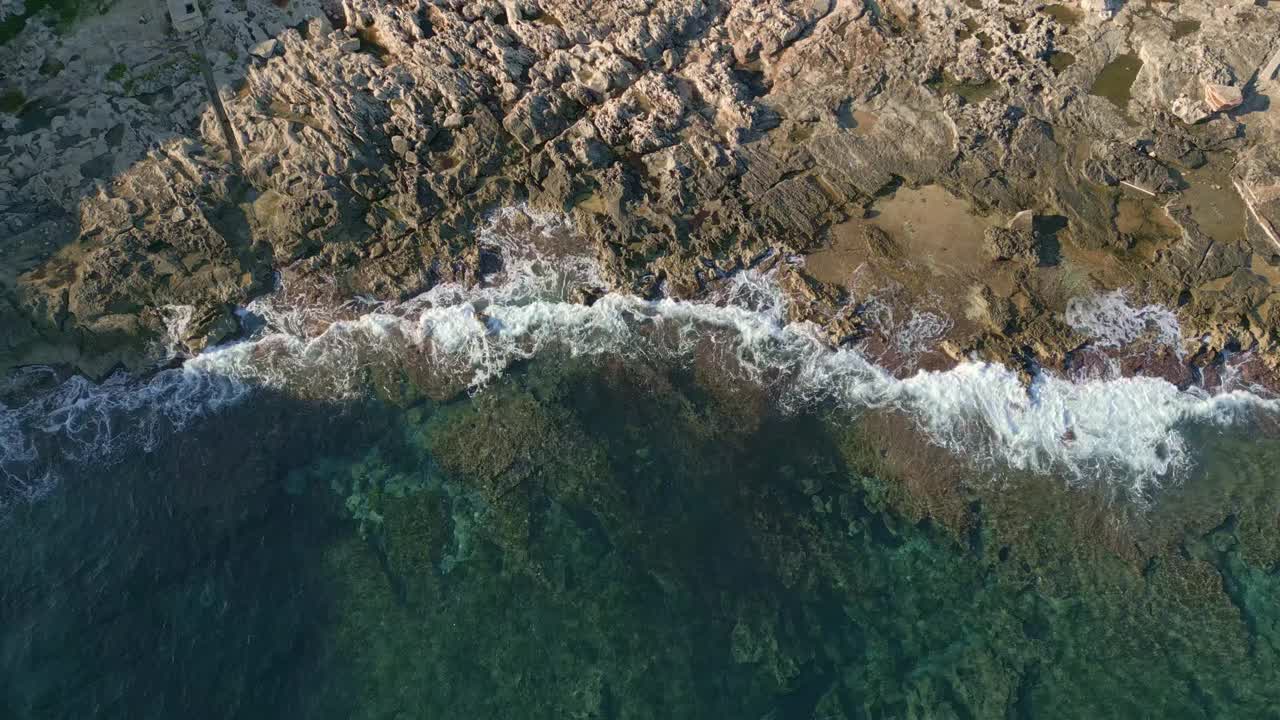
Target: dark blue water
(625, 540)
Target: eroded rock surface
(685, 138)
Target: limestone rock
(685, 137)
(1104, 9)
(1258, 183)
(538, 118)
(1190, 110)
(1271, 71)
(880, 243)
(208, 326)
(997, 313)
(267, 49)
(1015, 241)
(1112, 163)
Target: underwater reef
(618, 540)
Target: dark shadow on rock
(144, 104)
(132, 115)
(232, 222)
(1254, 101)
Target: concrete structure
(215, 99)
(187, 18)
(185, 15)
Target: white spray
(1124, 429)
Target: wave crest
(1120, 429)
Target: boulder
(1190, 111)
(1222, 97)
(267, 49)
(1015, 241)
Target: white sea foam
(1112, 322)
(76, 420)
(177, 324)
(1125, 429)
(924, 326)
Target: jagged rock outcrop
(1016, 241)
(680, 136)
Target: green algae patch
(12, 101)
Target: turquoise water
(501, 502)
(599, 539)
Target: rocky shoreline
(994, 160)
(636, 526)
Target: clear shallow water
(623, 540)
(497, 503)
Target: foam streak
(1120, 428)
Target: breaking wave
(1122, 429)
(1112, 322)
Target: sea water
(500, 501)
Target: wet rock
(1112, 163)
(208, 326)
(1257, 181)
(1194, 257)
(1174, 144)
(880, 243)
(997, 313)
